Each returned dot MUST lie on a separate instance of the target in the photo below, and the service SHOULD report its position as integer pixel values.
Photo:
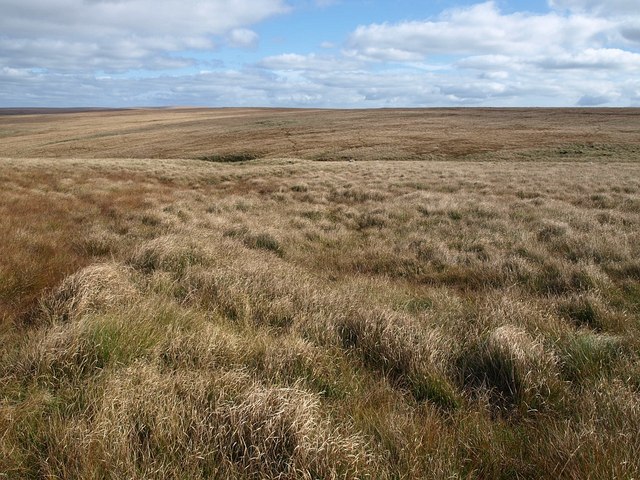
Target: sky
(319, 53)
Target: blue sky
(319, 53)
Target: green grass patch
(589, 356)
(233, 157)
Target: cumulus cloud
(608, 7)
(479, 29)
(591, 58)
(310, 62)
(147, 18)
(117, 35)
(243, 38)
(573, 53)
(322, 87)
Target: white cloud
(487, 62)
(573, 54)
(149, 18)
(319, 87)
(608, 7)
(243, 38)
(117, 35)
(479, 29)
(589, 59)
(310, 62)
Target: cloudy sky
(320, 53)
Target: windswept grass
(300, 319)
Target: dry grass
(295, 318)
(245, 134)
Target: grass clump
(227, 425)
(264, 241)
(354, 195)
(168, 253)
(98, 340)
(512, 367)
(589, 356)
(583, 312)
(94, 288)
(256, 241)
(413, 359)
(232, 157)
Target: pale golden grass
(152, 424)
(94, 288)
(288, 318)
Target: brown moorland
(394, 134)
(219, 293)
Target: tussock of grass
(590, 356)
(94, 341)
(94, 288)
(514, 368)
(229, 157)
(583, 311)
(225, 424)
(246, 295)
(98, 243)
(264, 241)
(168, 253)
(411, 357)
(354, 195)
(551, 230)
(261, 241)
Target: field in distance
(219, 293)
(414, 134)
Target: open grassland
(183, 298)
(237, 134)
